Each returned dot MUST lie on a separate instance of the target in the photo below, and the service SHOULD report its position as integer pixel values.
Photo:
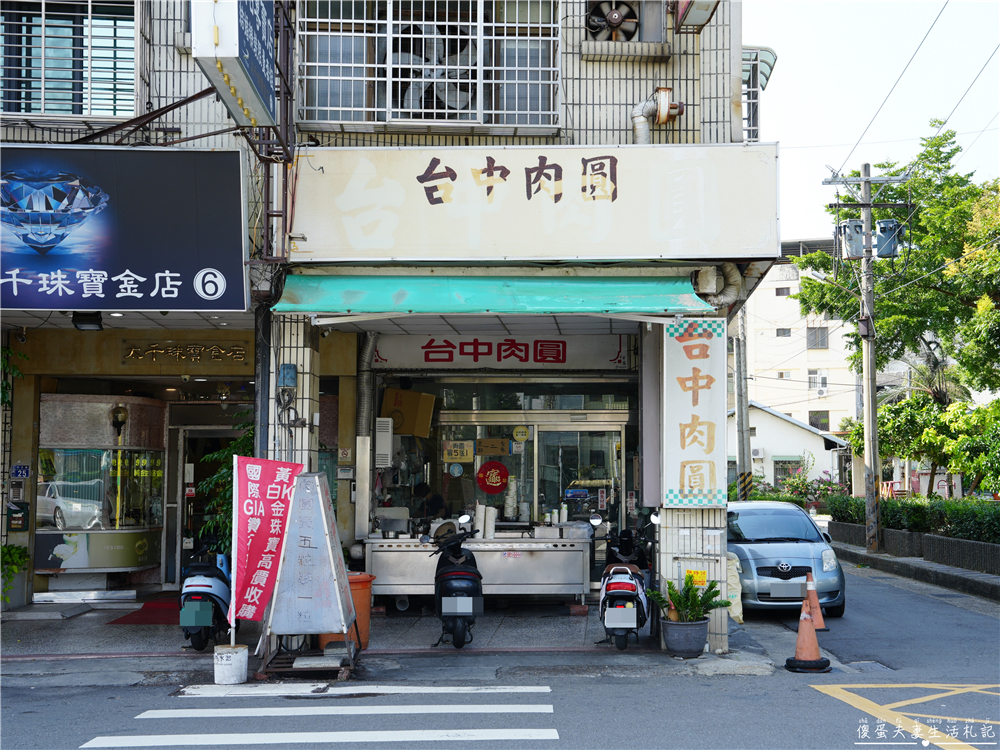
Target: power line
(968, 89)
(878, 143)
(894, 85)
(965, 151)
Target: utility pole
(744, 461)
(866, 329)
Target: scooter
(205, 597)
(623, 605)
(458, 585)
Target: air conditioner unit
(383, 443)
(756, 454)
(822, 392)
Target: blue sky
(837, 61)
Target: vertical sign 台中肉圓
(262, 491)
(694, 401)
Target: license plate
(620, 617)
(196, 614)
(462, 605)
(788, 590)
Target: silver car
(777, 544)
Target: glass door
(581, 469)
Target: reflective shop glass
(533, 396)
(99, 490)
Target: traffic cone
(807, 657)
(816, 610)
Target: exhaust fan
(613, 21)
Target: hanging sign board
(502, 352)
(262, 491)
(233, 44)
(312, 593)
(694, 413)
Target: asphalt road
(924, 660)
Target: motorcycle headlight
(829, 560)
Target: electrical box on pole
(889, 234)
(851, 239)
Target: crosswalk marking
(323, 690)
(299, 738)
(230, 713)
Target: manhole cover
(869, 666)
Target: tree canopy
(944, 288)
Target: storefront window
(94, 489)
(499, 396)
(581, 470)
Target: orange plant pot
(361, 593)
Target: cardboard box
(493, 447)
(410, 411)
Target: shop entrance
(190, 511)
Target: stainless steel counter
(509, 566)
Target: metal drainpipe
(640, 119)
(731, 291)
(363, 443)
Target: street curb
(120, 655)
(966, 581)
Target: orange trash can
(361, 593)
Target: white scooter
(624, 606)
(205, 598)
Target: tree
(978, 353)
(915, 428)
(975, 449)
(920, 300)
(929, 373)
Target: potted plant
(685, 627)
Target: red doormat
(160, 612)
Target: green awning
(443, 295)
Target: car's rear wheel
(837, 611)
(58, 519)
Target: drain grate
(869, 666)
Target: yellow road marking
(926, 698)
(886, 713)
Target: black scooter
(458, 586)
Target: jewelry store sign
(170, 351)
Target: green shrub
(911, 514)
(977, 520)
(14, 558)
(846, 509)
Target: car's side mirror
(829, 539)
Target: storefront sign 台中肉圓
(537, 203)
(502, 352)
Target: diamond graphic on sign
(43, 208)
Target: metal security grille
(784, 469)
(440, 62)
(69, 58)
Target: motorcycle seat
(206, 569)
(631, 568)
(455, 570)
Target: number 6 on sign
(209, 284)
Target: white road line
(300, 738)
(324, 690)
(234, 713)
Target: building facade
(502, 220)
